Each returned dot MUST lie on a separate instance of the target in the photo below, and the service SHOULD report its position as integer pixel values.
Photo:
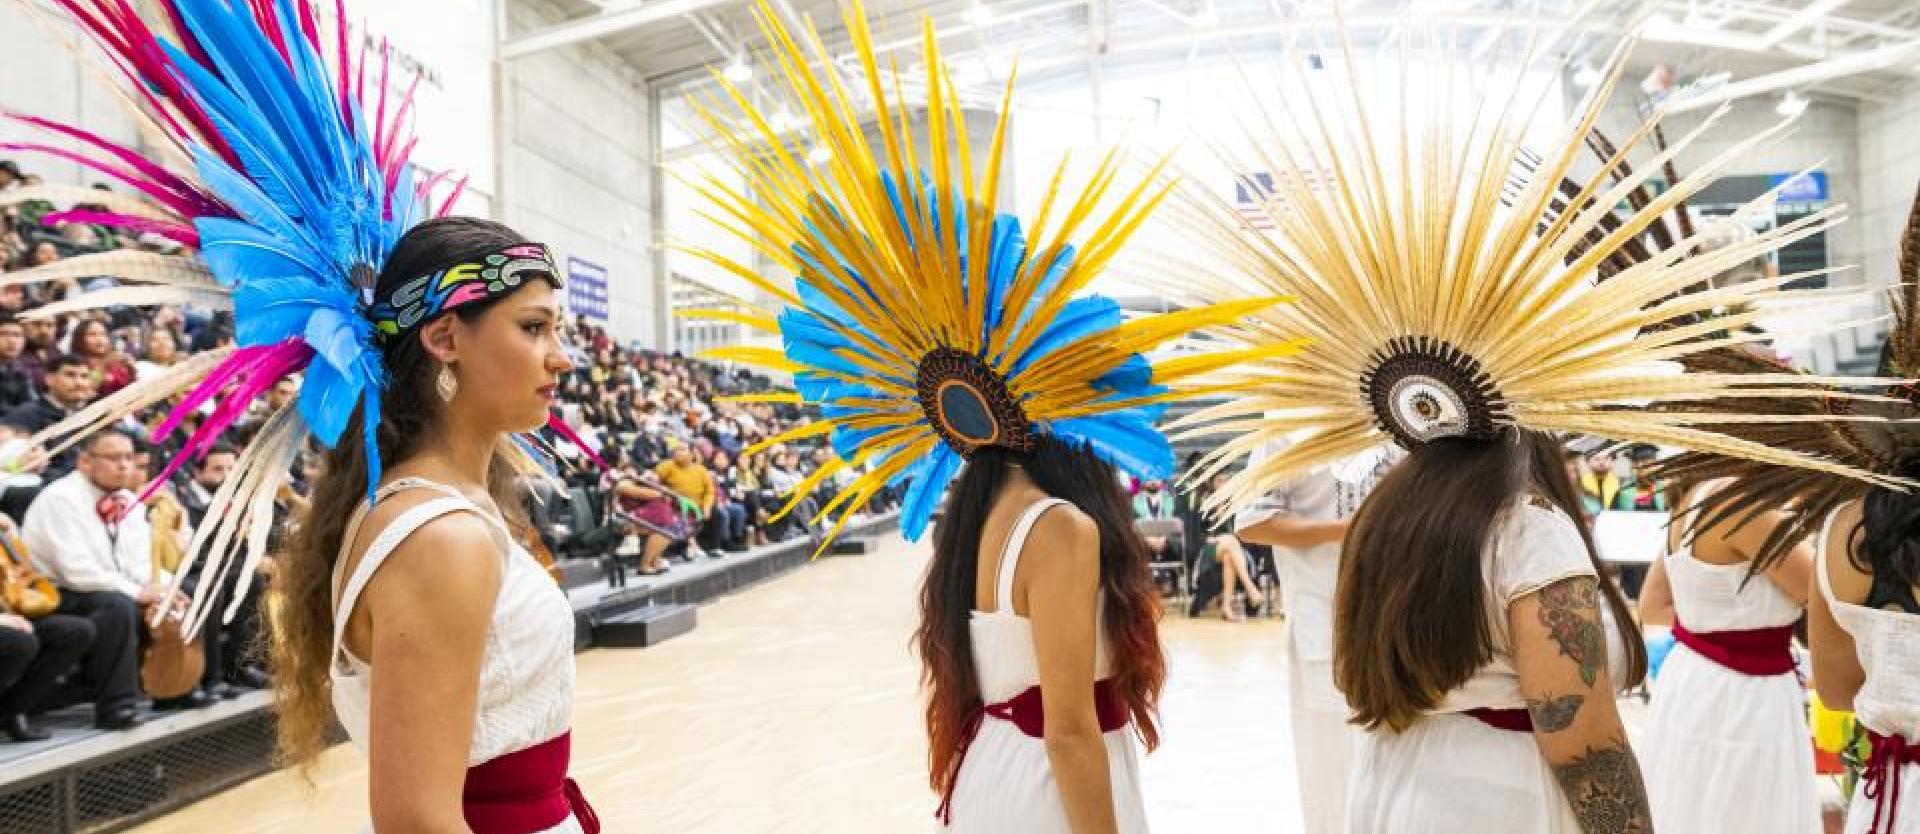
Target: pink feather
(459, 188)
(177, 232)
(254, 369)
(156, 175)
(170, 200)
(566, 432)
(344, 62)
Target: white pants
(1323, 743)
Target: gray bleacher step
(854, 546)
(645, 626)
(577, 573)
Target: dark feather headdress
(1873, 431)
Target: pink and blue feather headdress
(293, 182)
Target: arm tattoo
(1604, 789)
(1570, 610)
(1551, 715)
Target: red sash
(1025, 711)
(1758, 652)
(1881, 781)
(1513, 720)
(526, 792)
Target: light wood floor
(793, 709)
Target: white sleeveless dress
(1449, 772)
(1725, 751)
(1888, 643)
(1005, 784)
(526, 676)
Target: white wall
(1890, 158)
(40, 77)
(577, 168)
(1827, 131)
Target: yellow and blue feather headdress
(924, 321)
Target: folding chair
(1172, 565)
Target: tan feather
(73, 194)
(140, 267)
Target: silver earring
(447, 384)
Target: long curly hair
(1886, 543)
(1130, 612)
(302, 616)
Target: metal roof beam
(604, 24)
(1875, 60)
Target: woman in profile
(439, 642)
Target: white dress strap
(1820, 559)
(1016, 542)
(347, 596)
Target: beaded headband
(426, 297)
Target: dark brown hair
(302, 622)
(1131, 604)
(1410, 612)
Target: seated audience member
(655, 516)
(34, 653)
(112, 370)
(684, 475)
(82, 536)
(227, 646)
(69, 389)
(16, 379)
(731, 507)
(783, 480)
(43, 337)
(1155, 501)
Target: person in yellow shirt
(687, 477)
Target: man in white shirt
(1304, 520)
(103, 565)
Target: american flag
(1257, 202)
(1253, 197)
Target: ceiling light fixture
(1792, 104)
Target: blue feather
(847, 442)
(277, 309)
(1129, 376)
(236, 251)
(1123, 440)
(1082, 317)
(370, 436)
(327, 398)
(930, 478)
(339, 336)
(899, 210)
(815, 355)
(1055, 270)
(1008, 252)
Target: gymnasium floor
(793, 709)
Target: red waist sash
(1025, 712)
(1513, 719)
(526, 792)
(1758, 652)
(1881, 781)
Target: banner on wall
(587, 290)
(448, 46)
